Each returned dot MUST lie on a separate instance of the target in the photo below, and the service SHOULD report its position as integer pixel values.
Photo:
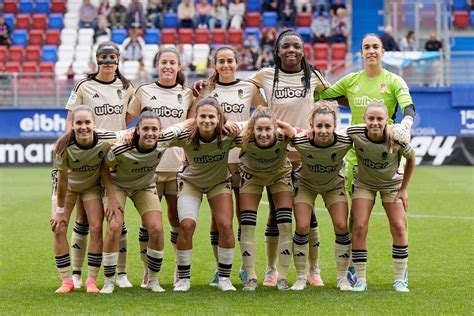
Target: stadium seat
(42, 6)
(459, 5)
(50, 53)
(253, 19)
(149, 52)
(119, 35)
(185, 36)
(305, 32)
(69, 37)
(219, 36)
(3, 54)
(61, 68)
(83, 52)
(46, 66)
(461, 19)
(30, 66)
(269, 19)
(168, 36)
(58, 6)
(10, 6)
(308, 52)
(170, 20)
(130, 69)
(19, 37)
(71, 20)
(35, 37)
(80, 67)
(322, 64)
(25, 6)
(9, 20)
(17, 53)
(85, 36)
(304, 19)
(33, 53)
(254, 5)
(53, 37)
(201, 36)
(55, 21)
(12, 66)
(66, 53)
(236, 36)
(338, 51)
(200, 54)
(152, 36)
(39, 21)
(337, 66)
(253, 30)
(321, 51)
(471, 18)
(23, 21)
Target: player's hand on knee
(403, 195)
(57, 220)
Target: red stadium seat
(461, 19)
(304, 19)
(168, 36)
(337, 66)
(236, 36)
(219, 36)
(13, 66)
(58, 6)
(33, 53)
(53, 37)
(36, 37)
(46, 67)
(23, 21)
(30, 67)
(321, 51)
(338, 51)
(185, 36)
(308, 52)
(201, 36)
(16, 53)
(253, 19)
(3, 54)
(2, 66)
(322, 64)
(39, 21)
(10, 6)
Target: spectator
(270, 5)
(4, 32)
(154, 13)
(186, 13)
(340, 27)
(104, 8)
(219, 15)
(433, 44)
(268, 39)
(102, 31)
(388, 42)
(236, 13)
(135, 15)
(203, 13)
(287, 14)
(132, 47)
(265, 59)
(408, 43)
(335, 6)
(186, 57)
(303, 6)
(87, 15)
(320, 29)
(252, 43)
(247, 59)
(118, 15)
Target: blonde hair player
(378, 157)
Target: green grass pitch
(441, 226)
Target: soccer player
(133, 175)
(236, 97)
(173, 102)
(322, 158)
(378, 156)
(109, 93)
(265, 164)
(78, 156)
(207, 149)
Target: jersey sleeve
(334, 91)
(401, 92)
(407, 151)
(134, 107)
(110, 158)
(257, 78)
(131, 99)
(258, 99)
(169, 135)
(60, 161)
(322, 84)
(75, 98)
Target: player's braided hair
(180, 78)
(387, 135)
(147, 113)
(194, 136)
(248, 133)
(324, 107)
(67, 138)
(215, 75)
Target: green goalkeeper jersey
(360, 90)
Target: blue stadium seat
(269, 19)
(42, 6)
(119, 35)
(254, 5)
(25, 6)
(20, 37)
(152, 36)
(55, 21)
(170, 20)
(50, 53)
(459, 5)
(253, 30)
(471, 18)
(305, 32)
(9, 20)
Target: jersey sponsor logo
(266, 160)
(364, 100)
(165, 111)
(208, 158)
(95, 96)
(86, 168)
(143, 169)
(287, 92)
(374, 165)
(108, 109)
(232, 108)
(42, 123)
(320, 168)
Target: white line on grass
(465, 218)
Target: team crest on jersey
(302, 80)
(383, 88)
(111, 155)
(240, 93)
(101, 155)
(159, 155)
(384, 155)
(356, 89)
(277, 151)
(333, 157)
(119, 93)
(180, 98)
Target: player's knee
(186, 227)
(340, 227)
(155, 232)
(302, 228)
(60, 230)
(225, 230)
(398, 229)
(359, 229)
(95, 228)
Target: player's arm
(402, 94)
(114, 209)
(258, 98)
(286, 129)
(59, 218)
(409, 154)
(334, 92)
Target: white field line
(464, 218)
